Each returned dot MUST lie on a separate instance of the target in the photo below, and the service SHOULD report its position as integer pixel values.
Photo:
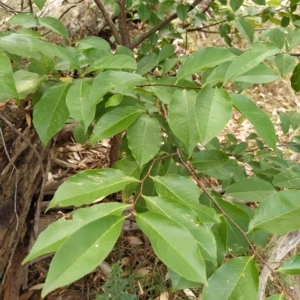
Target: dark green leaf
(295, 78)
(144, 11)
(235, 5)
(181, 11)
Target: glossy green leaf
(295, 78)
(292, 39)
(144, 138)
(39, 3)
(285, 63)
(7, 84)
(213, 111)
(209, 159)
(77, 100)
(51, 112)
(118, 61)
(287, 179)
(73, 260)
(56, 233)
(174, 245)
(259, 74)
(245, 29)
(26, 20)
(251, 190)
(236, 4)
(277, 37)
(182, 118)
(186, 192)
(247, 61)
(232, 279)
(278, 214)
(187, 217)
(88, 186)
(115, 121)
(291, 266)
(257, 117)
(147, 63)
(119, 81)
(55, 25)
(203, 59)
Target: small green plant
(115, 288)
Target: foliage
(170, 124)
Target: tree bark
(22, 176)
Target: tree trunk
(21, 177)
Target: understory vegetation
(164, 106)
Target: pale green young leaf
(245, 29)
(119, 81)
(213, 111)
(118, 61)
(73, 260)
(56, 233)
(209, 159)
(278, 214)
(203, 59)
(51, 112)
(88, 186)
(55, 25)
(39, 3)
(292, 39)
(285, 63)
(182, 118)
(291, 266)
(248, 61)
(115, 121)
(144, 138)
(250, 190)
(174, 245)
(277, 37)
(7, 84)
(77, 100)
(257, 117)
(186, 216)
(26, 20)
(232, 280)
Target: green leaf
(232, 279)
(181, 11)
(186, 192)
(166, 51)
(292, 39)
(119, 81)
(236, 4)
(245, 29)
(259, 74)
(164, 92)
(51, 112)
(94, 42)
(179, 282)
(26, 20)
(213, 111)
(209, 159)
(174, 245)
(182, 118)
(287, 179)
(88, 186)
(259, 2)
(77, 100)
(277, 37)
(144, 11)
(291, 266)
(144, 139)
(247, 61)
(285, 63)
(188, 218)
(295, 78)
(56, 233)
(285, 122)
(39, 3)
(278, 214)
(257, 117)
(115, 121)
(7, 84)
(147, 63)
(72, 260)
(203, 59)
(251, 190)
(55, 25)
(276, 297)
(118, 62)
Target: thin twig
(194, 174)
